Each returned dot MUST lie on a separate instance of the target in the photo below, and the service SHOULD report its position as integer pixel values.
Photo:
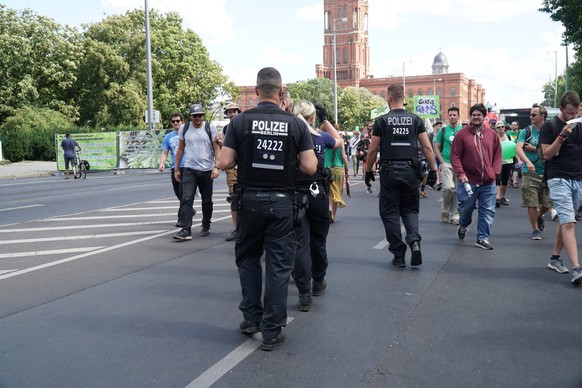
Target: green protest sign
(427, 106)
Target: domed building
(440, 65)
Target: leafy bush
(30, 134)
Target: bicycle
(82, 166)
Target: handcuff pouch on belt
(299, 207)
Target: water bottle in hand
(468, 188)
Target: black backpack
(541, 158)
(206, 127)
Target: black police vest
(304, 179)
(399, 136)
(268, 154)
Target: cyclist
(69, 145)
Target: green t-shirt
(513, 135)
(449, 134)
(531, 155)
(333, 158)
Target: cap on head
(492, 121)
(232, 106)
(269, 76)
(196, 109)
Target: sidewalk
(27, 169)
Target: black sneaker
(247, 327)
(497, 203)
(541, 224)
(305, 302)
(461, 232)
(178, 224)
(205, 231)
(416, 254)
(183, 235)
(504, 202)
(269, 344)
(318, 287)
(399, 262)
(484, 244)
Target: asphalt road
(94, 292)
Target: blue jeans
(566, 195)
(485, 196)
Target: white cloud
(209, 19)
(313, 12)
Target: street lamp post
(555, 77)
(404, 76)
(149, 69)
(335, 69)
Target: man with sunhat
(199, 143)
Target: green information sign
(99, 149)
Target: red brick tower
(347, 20)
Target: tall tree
(316, 90)
(569, 13)
(112, 75)
(38, 63)
(354, 106)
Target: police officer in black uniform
(395, 135)
(269, 146)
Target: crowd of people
(288, 172)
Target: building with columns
(346, 22)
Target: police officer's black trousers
(399, 199)
(265, 223)
(192, 180)
(311, 255)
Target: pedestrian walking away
(70, 146)
(396, 136)
(311, 256)
(268, 145)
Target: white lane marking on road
(91, 226)
(216, 371)
(80, 237)
(2, 272)
(381, 245)
(96, 252)
(384, 243)
(48, 252)
(21, 207)
(122, 209)
(118, 216)
(106, 217)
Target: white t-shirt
(198, 148)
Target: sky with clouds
(501, 44)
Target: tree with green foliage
(112, 75)
(569, 13)
(316, 90)
(30, 133)
(354, 106)
(38, 63)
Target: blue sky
(502, 44)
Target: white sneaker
(554, 214)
